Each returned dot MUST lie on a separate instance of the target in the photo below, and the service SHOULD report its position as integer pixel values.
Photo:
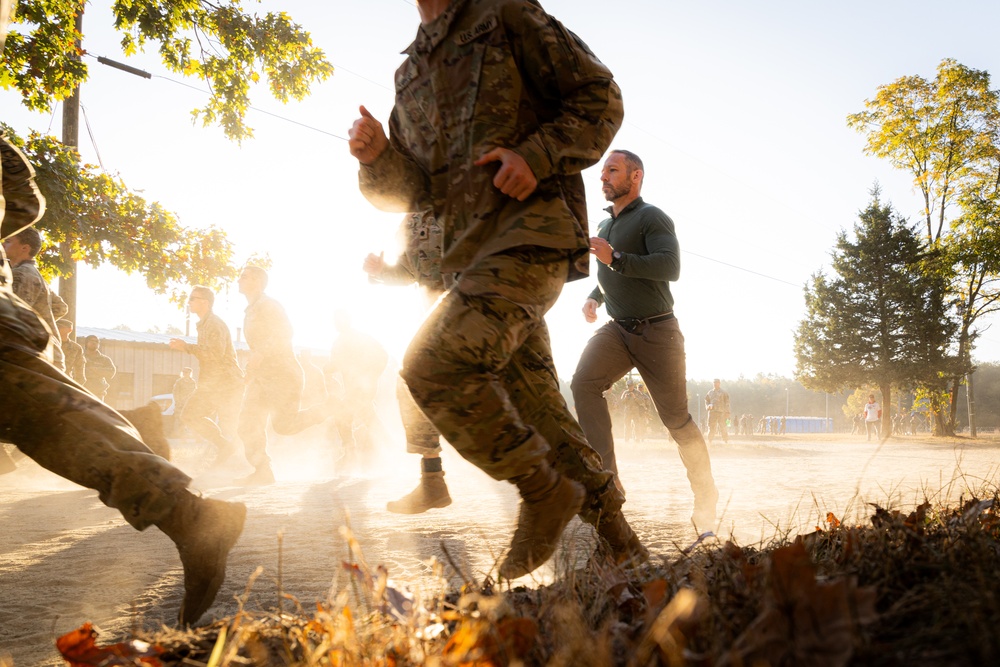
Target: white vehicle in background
(166, 403)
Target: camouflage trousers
(221, 399)
(274, 393)
(67, 430)
(355, 420)
(717, 425)
(481, 369)
(422, 436)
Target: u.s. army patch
(477, 31)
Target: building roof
(140, 336)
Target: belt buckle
(630, 324)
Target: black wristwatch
(616, 256)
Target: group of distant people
(275, 388)
(496, 177)
(869, 421)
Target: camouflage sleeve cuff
(536, 156)
(391, 182)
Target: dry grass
(916, 588)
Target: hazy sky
(737, 109)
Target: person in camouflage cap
(498, 110)
(62, 427)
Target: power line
(257, 109)
(90, 133)
(144, 74)
(52, 118)
(740, 268)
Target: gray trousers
(657, 352)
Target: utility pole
(971, 399)
(71, 137)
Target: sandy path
(66, 559)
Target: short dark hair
(258, 272)
(31, 238)
(632, 161)
(205, 293)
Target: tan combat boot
(431, 493)
(621, 544)
(548, 502)
(204, 531)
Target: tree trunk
(951, 423)
(886, 425)
(941, 427)
(971, 398)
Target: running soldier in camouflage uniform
(420, 263)
(72, 352)
(358, 360)
(273, 378)
(65, 429)
(498, 110)
(220, 378)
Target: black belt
(632, 324)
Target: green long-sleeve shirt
(639, 284)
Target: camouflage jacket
(487, 74)
(100, 371)
(75, 367)
(34, 291)
(269, 332)
(215, 352)
(420, 261)
(718, 401)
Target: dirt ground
(66, 559)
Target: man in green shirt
(638, 256)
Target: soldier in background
(273, 378)
(99, 367)
(220, 380)
(635, 405)
(717, 403)
(420, 263)
(65, 429)
(28, 284)
(358, 360)
(501, 172)
(72, 352)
